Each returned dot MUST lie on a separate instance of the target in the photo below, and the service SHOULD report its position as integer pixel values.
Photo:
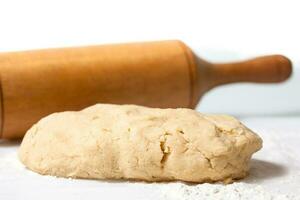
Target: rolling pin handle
(266, 69)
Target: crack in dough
(165, 150)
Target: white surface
(275, 171)
(216, 30)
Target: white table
(276, 168)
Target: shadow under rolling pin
(163, 74)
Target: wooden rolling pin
(157, 74)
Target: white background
(216, 30)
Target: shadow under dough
(261, 170)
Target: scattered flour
(171, 191)
(235, 191)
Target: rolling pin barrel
(37, 83)
(155, 74)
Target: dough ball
(107, 141)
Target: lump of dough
(107, 141)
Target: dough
(107, 141)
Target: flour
(274, 175)
(235, 191)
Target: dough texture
(108, 141)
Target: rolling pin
(162, 74)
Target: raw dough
(107, 141)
